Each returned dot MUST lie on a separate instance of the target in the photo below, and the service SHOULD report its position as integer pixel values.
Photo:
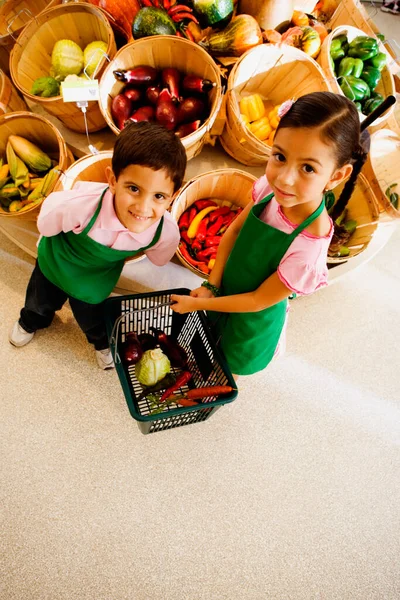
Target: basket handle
(105, 55)
(9, 23)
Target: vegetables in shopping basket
(152, 367)
(204, 392)
(174, 351)
(182, 380)
(132, 350)
(163, 384)
(147, 341)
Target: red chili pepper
(177, 8)
(192, 261)
(180, 382)
(185, 237)
(167, 4)
(200, 204)
(229, 218)
(189, 35)
(184, 220)
(196, 245)
(207, 253)
(213, 240)
(202, 230)
(179, 34)
(147, 3)
(224, 210)
(215, 227)
(185, 15)
(192, 214)
(156, 3)
(187, 402)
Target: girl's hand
(184, 304)
(201, 292)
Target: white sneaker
(105, 359)
(18, 336)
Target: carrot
(198, 393)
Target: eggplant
(167, 114)
(121, 108)
(133, 93)
(144, 113)
(176, 354)
(152, 94)
(187, 128)
(141, 75)
(147, 341)
(171, 78)
(132, 351)
(194, 83)
(190, 110)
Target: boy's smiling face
(141, 196)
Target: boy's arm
(65, 211)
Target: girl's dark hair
(150, 145)
(340, 126)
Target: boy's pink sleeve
(261, 188)
(162, 252)
(66, 211)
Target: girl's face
(141, 196)
(302, 166)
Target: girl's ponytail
(359, 158)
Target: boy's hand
(201, 292)
(184, 304)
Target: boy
(87, 234)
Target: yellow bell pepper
(245, 119)
(211, 263)
(194, 225)
(261, 128)
(252, 107)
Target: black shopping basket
(138, 313)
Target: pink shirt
(303, 268)
(71, 210)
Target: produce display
(358, 66)
(242, 34)
(154, 357)
(176, 100)
(27, 175)
(69, 61)
(201, 227)
(260, 117)
(304, 33)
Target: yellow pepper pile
(260, 116)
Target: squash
(320, 29)
(268, 13)
(122, 13)
(310, 42)
(300, 18)
(242, 33)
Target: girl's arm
(270, 292)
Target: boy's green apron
(249, 340)
(82, 267)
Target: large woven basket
(89, 168)
(382, 169)
(161, 52)
(362, 208)
(31, 56)
(384, 87)
(352, 12)
(14, 16)
(278, 74)
(10, 100)
(44, 134)
(232, 185)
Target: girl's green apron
(82, 267)
(249, 340)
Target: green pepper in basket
(378, 61)
(358, 105)
(372, 103)
(363, 47)
(350, 66)
(393, 196)
(354, 88)
(337, 51)
(371, 76)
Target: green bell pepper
(372, 103)
(363, 47)
(393, 196)
(354, 88)
(337, 51)
(358, 105)
(371, 76)
(378, 61)
(350, 66)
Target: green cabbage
(152, 367)
(45, 87)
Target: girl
(278, 245)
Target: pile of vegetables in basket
(357, 66)
(177, 101)
(304, 33)
(27, 175)
(154, 356)
(201, 227)
(69, 62)
(260, 116)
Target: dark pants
(43, 299)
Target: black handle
(378, 112)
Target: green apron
(82, 267)
(249, 340)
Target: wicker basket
(14, 16)
(41, 132)
(10, 100)
(362, 208)
(231, 185)
(384, 87)
(352, 12)
(382, 169)
(31, 56)
(277, 73)
(160, 52)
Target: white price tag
(80, 91)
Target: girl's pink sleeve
(303, 268)
(261, 188)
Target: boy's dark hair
(150, 145)
(340, 126)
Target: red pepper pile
(177, 101)
(202, 226)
